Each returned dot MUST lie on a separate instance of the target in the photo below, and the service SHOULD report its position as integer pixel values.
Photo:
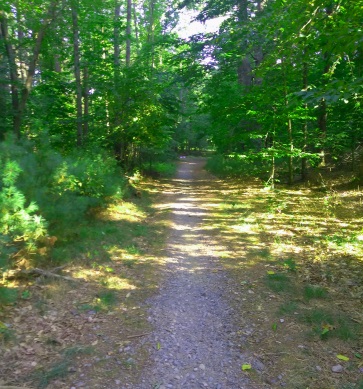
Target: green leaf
(342, 357)
(246, 366)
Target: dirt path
(192, 345)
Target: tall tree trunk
(151, 33)
(19, 100)
(85, 103)
(304, 162)
(14, 81)
(322, 110)
(128, 32)
(118, 142)
(244, 70)
(136, 29)
(117, 57)
(77, 72)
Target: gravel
(193, 342)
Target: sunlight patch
(244, 228)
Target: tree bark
(19, 100)
(304, 163)
(128, 32)
(77, 72)
(85, 103)
(14, 81)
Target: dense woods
(92, 90)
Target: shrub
(41, 190)
(18, 221)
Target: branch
(39, 272)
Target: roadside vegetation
(296, 255)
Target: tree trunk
(136, 28)
(19, 100)
(151, 32)
(304, 162)
(85, 103)
(14, 81)
(77, 72)
(128, 32)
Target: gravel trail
(192, 345)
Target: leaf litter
(291, 340)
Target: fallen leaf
(270, 272)
(342, 357)
(246, 366)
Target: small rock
(282, 320)
(337, 369)
(318, 368)
(258, 365)
(117, 382)
(202, 367)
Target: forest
(98, 96)
(89, 88)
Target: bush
(44, 192)
(18, 221)
(236, 165)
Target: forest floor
(200, 282)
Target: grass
(313, 260)
(107, 299)
(8, 295)
(288, 308)
(278, 282)
(327, 324)
(314, 292)
(43, 377)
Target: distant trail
(192, 345)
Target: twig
(56, 269)
(138, 336)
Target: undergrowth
(46, 197)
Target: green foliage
(235, 165)
(278, 282)
(18, 220)
(44, 376)
(288, 308)
(7, 295)
(314, 292)
(45, 193)
(327, 325)
(107, 299)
